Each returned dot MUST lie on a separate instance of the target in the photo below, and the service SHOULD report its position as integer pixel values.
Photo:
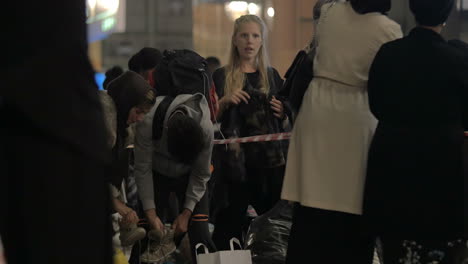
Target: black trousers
(165, 190)
(322, 236)
(262, 190)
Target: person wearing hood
(132, 97)
(173, 154)
(415, 194)
(111, 74)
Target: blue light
(99, 78)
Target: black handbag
(298, 78)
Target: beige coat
(328, 149)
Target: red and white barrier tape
(262, 138)
(259, 138)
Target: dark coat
(415, 185)
(54, 201)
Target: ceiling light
(271, 12)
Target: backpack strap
(159, 116)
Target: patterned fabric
(130, 183)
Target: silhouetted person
(54, 201)
(144, 62)
(415, 185)
(112, 74)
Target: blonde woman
(252, 173)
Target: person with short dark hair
(416, 187)
(371, 6)
(173, 154)
(185, 138)
(144, 62)
(111, 74)
(326, 167)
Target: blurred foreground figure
(53, 197)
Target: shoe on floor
(159, 250)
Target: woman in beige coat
(327, 157)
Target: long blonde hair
(235, 78)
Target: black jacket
(255, 118)
(54, 201)
(418, 90)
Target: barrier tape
(262, 138)
(259, 138)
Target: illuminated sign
(102, 17)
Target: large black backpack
(179, 72)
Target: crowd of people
(376, 154)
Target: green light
(108, 24)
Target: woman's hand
(234, 99)
(277, 107)
(237, 97)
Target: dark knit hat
(127, 91)
(145, 59)
(431, 12)
(111, 74)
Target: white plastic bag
(226, 256)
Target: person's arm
(128, 214)
(143, 162)
(144, 168)
(224, 101)
(200, 175)
(196, 188)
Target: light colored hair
(235, 78)
(147, 101)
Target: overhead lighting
(253, 8)
(271, 12)
(238, 6)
